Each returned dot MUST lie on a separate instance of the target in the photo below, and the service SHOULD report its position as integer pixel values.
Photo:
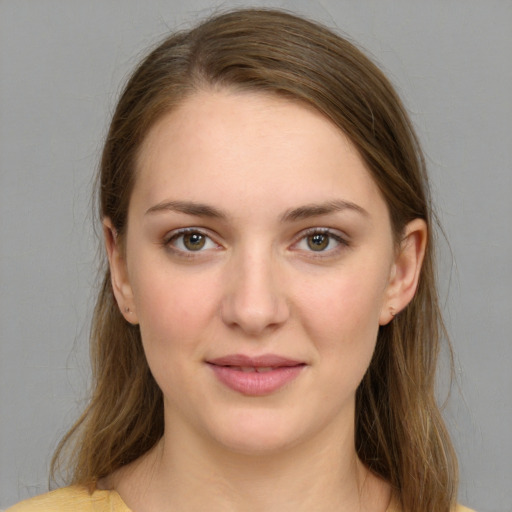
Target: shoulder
(74, 498)
(460, 508)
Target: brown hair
(400, 434)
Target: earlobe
(405, 273)
(118, 273)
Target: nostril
(253, 318)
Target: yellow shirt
(78, 499)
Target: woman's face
(259, 262)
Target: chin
(257, 434)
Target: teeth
(247, 369)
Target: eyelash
(341, 241)
(176, 235)
(170, 240)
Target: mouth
(250, 369)
(256, 376)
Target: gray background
(61, 66)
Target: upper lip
(263, 361)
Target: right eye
(191, 240)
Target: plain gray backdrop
(61, 66)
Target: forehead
(249, 145)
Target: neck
(183, 472)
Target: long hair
(400, 434)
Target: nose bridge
(255, 297)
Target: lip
(255, 376)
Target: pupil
(194, 241)
(318, 242)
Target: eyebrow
(315, 210)
(295, 214)
(189, 208)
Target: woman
(267, 331)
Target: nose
(255, 296)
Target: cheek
(173, 310)
(174, 316)
(343, 317)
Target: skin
(257, 286)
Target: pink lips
(255, 376)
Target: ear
(405, 272)
(119, 273)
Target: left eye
(319, 241)
(191, 241)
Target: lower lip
(254, 383)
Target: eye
(320, 240)
(191, 240)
